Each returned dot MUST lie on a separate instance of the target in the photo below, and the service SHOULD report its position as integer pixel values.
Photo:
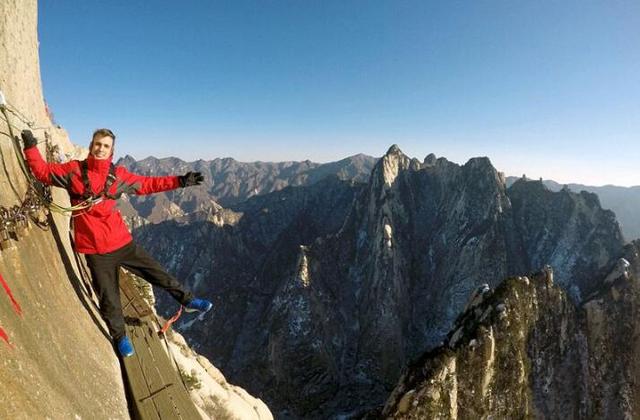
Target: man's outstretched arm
(57, 174)
(138, 184)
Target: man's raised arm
(57, 174)
(141, 185)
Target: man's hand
(28, 139)
(191, 179)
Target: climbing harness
(88, 195)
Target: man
(94, 185)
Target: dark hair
(103, 132)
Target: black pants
(104, 270)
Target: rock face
(328, 290)
(41, 374)
(528, 351)
(566, 230)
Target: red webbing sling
(5, 337)
(171, 320)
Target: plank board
(178, 393)
(157, 385)
(133, 304)
(137, 383)
(156, 388)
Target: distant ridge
(623, 201)
(229, 182)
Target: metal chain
(15, 220)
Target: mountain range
(228, 182)
(326, 290)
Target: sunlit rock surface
(528, 351)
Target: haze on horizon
(547, 89)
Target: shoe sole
(198, 310)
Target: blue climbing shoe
(124, 347)
(198, 305)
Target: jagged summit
(391, 164)
(430, 159)
(480, 161)
(529, 185)
(482, 167)
(394, 149)
(359, 156)
(126, 160)
(129, 161)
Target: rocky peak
(482, 168)
(430, 160)
(483, 368)
(528, 186)
(394, 149)
(391, 164)
(624, 201)
(126, 161)
(547, 221)
(481, 162)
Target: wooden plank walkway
(156, 388)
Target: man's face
(102, 147)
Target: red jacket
(99, 229)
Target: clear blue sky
(546, 88)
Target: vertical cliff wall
(55, 359)
(20, 76)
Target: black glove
(191, 179)
(28, 139)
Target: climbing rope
(19, 115)
(4, 162)
(46, 199)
